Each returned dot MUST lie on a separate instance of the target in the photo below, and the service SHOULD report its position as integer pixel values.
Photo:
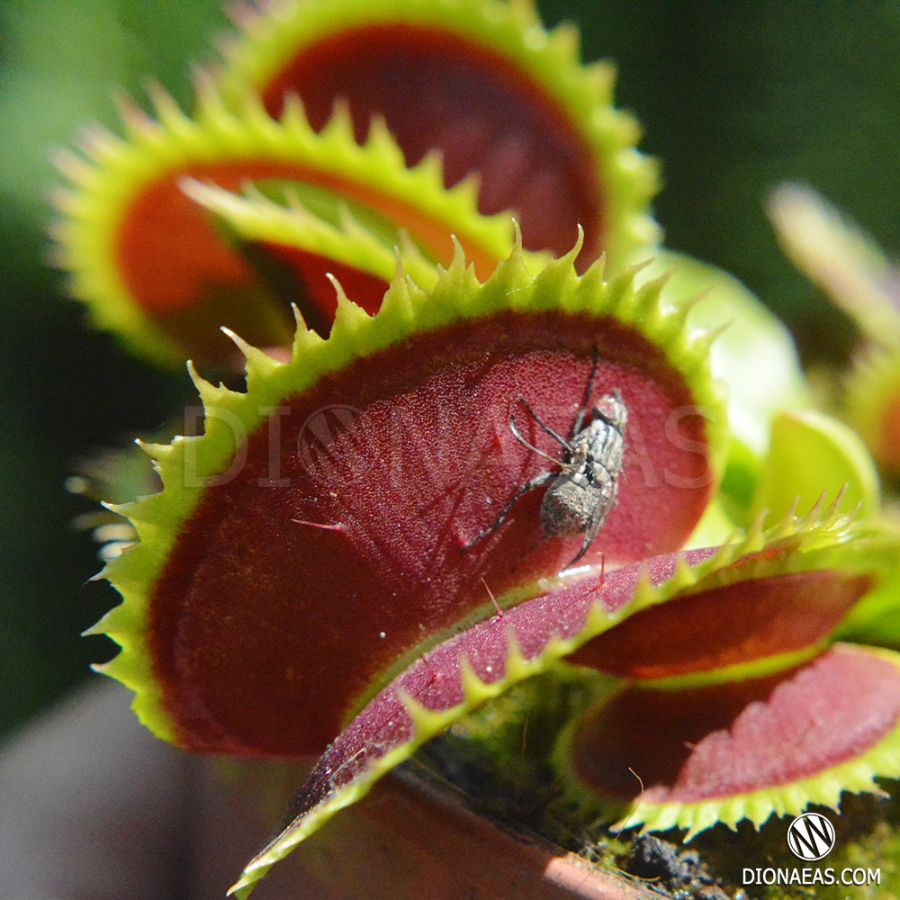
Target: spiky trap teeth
(146, 256)
(740, 750)
(289, 241)
(325, 528)
(486, 100)
(483, 84)
(580, 622)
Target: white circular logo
(810, 837)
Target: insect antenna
(588, 390)
(544, 427)
(514, 428)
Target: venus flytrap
(384, 248)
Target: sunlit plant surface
(490, 429)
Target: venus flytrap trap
(151, 266)
(354, 599)
(749, 614)
(481, 83)
(429, 457)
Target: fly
(582, 493)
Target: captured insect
(583, 492)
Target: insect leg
(592, 530)
(588, 390)
(539, 481)
(545, 428)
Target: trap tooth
(209, 196)
(567, 260)
(293, 114)
(517, 236)
(407, 252)
(682, 575)
(754, 537)
(622, 296)
(135, 121)
(432, 167)
(683, 308)
(704, 820)
(258, 364)
(253, 112)
(101, 627)
(791, 524)
(339, 128)
(165, 106)
(300, 327)
(293, 203)
(704, 338)
(602, 78)
(473, 687)
(271, 227)
(565, 40)
(75, 168)
(126, 668)
(809, 538)
(203, 81)
(349, 222)
(245, 15)
(116, 622)
(397, 305)
(593, 281)
(821, 509)
(596, 622)
(671, 322)
(210, 395)
(305, 339)
(525, 13)
(424, 720)
(349, 315)
(131, 509)
(157, 452)
(517, 666)
(99, 144)
(405, 248)
(647, 304)
(54, 256)
(467, 189)
(380, 141)
(839, 258)
(560, 280)
(645, 593)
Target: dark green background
(734, 97)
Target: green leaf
(753, 357)
(812, 454)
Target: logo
(810, 837)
